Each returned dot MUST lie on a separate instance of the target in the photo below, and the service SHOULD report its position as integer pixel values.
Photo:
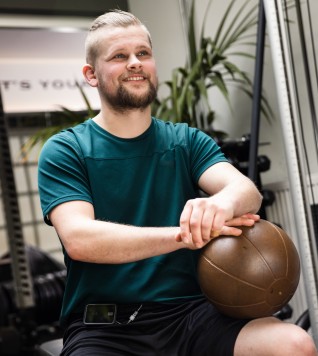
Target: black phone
(100, 314)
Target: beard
(123, 99)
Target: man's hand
(202, 216)
(230, 228)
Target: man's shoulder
(68, 139)
(164, 123)
(179, 129)
(69, 133)
(173, 127)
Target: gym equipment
(22, 330)
(294, 102)
(31, 282)
(237, 152)
(250, 276)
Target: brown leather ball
(250, 276)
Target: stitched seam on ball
(230, 275)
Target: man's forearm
(106, 242)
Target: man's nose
(134, 62)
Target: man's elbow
(258, 199)
(73, 243)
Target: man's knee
(269, 336)
(300, 343)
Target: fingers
(190, 223)
(244, 220)
(200, 221)
(252, 216)
(230, 231)
(184, 225)
(215, 233)
(229, 228)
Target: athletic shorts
(160, 329)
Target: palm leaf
(205, 18)
(68, 117)
(236, 30)
(191, 36)
(90, 111)
(221, 25)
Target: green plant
(210, 65)
(67, 117)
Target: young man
(122, 192)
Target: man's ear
(89, 75)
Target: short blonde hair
(113, 18)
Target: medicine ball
(250, 276)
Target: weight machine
(275, 13)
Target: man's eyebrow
(123, 49)
(144, 46)
(137, 47)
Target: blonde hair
(113, 18)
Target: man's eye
(119, 55)
(143, 53)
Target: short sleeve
(204, 152)
(62, 174)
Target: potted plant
(210, 65)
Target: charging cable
(132, 317)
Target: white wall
(163, 19)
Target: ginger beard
(125, 98)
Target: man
(122, 192)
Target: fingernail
(215, 233)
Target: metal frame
(285, 83)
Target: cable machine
(295, 145)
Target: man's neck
(127, 124)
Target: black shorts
(160, 329)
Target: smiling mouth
(132, 79)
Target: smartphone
(100, 314)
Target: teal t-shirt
(143, 181)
